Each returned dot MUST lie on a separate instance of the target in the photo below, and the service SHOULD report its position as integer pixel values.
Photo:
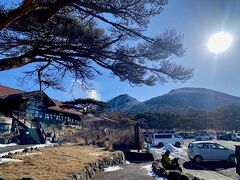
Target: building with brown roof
(36, 105)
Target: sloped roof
(11, 93)
(6, 91)
(60, 108)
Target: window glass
(205, 146)
(220, 146)
(177, 136)
(163, 136)
(200, 145)
(213, 146)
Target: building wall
(5, 124)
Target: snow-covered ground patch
(127, 162)
(6, 145)
(94, 154)
(151, 173)
(48, 144)
(112, 168)
(13, 152)
(21, 150)
(75, 126)
(30, 154)
(175, 152)
(147, 167)
(6, 160)
(71, 143)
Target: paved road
(133, 171)
(11, 148)
(208, 170)
(220, 170)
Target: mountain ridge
(121, 103)
(177, 100)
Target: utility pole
(137, 136)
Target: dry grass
(54, 163)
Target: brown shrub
(124, 139)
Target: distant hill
(121, 103)
(177, 100)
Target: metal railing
(22, 117)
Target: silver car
(209, 151)
(202, 136)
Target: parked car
(202, 136)
(236, 136)
(199, 151)
(212, 135)
(227, 136)
(220, 135)
(161, 139)
(186, 135)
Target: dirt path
(133, 171)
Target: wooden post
(237, 154)
(137, 136)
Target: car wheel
(198, 159)
(177, 144)
(232, 158)
(160, 144)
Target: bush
(124, 139)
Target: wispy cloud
(78, 91)
(94, 94)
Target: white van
(161, 139)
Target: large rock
(93, 168)
(160, 171)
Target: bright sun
(219, 42)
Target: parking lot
(207, 170)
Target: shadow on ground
(138, 156)
(214, 166)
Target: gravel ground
(133, 171)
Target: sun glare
(219, 42)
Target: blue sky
(197, 20)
